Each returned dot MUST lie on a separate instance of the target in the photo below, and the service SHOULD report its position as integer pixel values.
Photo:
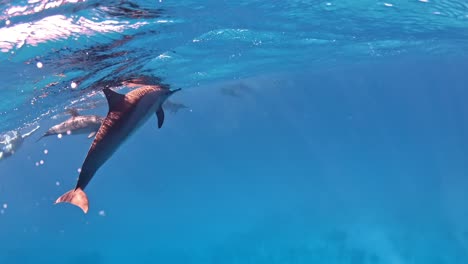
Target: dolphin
(173, 107)
(76, 124)
(11, 141)
(126, 114)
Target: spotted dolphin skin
(126, 114)
(76, 124)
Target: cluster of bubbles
(41, 162)
(60, 135)
(73, 85)
(4, 207)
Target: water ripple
(94, 44)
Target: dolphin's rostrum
(126, 114)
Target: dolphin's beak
(176, 90)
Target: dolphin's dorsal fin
(73, 112)
(114, 99)
(160, 116)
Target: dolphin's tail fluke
(76, 197)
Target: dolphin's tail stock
(76, 197)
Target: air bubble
(39, 64)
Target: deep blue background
(355, 164)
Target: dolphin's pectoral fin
(114, 99)
(92, 134)
(160, 116)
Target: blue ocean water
(311, 132)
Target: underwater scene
(232, 132)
